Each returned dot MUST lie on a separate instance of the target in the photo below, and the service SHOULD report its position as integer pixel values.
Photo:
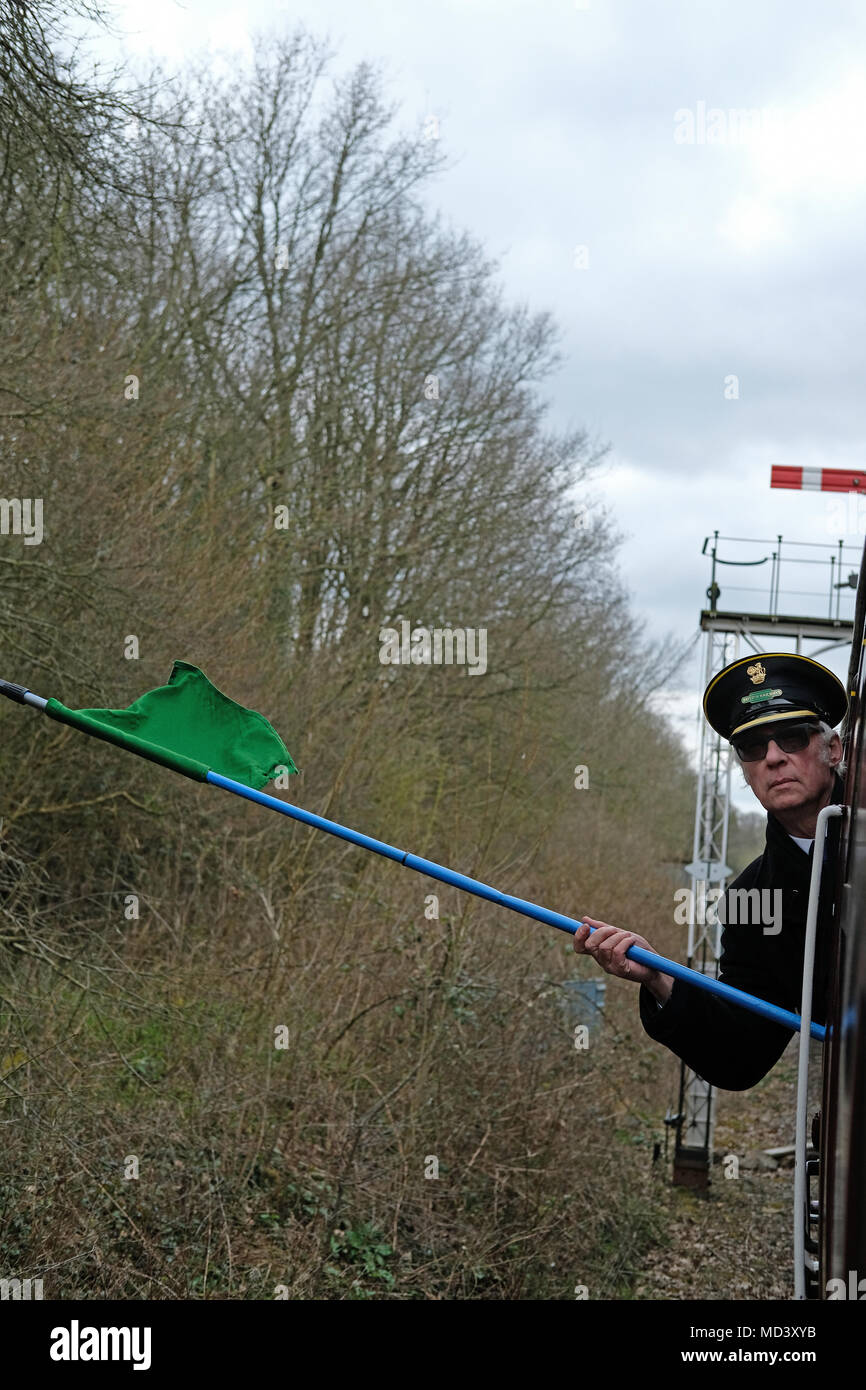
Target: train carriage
(836, 1221)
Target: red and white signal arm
(818, 479)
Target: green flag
(191, 727)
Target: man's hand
(608, 945)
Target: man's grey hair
(828, 733)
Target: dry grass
(293, 1163)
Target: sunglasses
(752, 749)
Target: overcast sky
(713, 323)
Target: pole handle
(13, 692)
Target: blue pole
(527, 909)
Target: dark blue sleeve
(729, 1047)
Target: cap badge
(756, 673)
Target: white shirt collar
(804, 844)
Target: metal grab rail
(801, 1210)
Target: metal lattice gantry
(708, 870)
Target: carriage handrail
(801, 1213)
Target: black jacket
(729, 1046)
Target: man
(778, 712)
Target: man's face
(784, 781)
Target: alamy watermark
(438, 646)
(854, 1289)
(738, 906)
(22, 516)
(718, 125)
(17, 1289)
(845, 513)
(77, 1343)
